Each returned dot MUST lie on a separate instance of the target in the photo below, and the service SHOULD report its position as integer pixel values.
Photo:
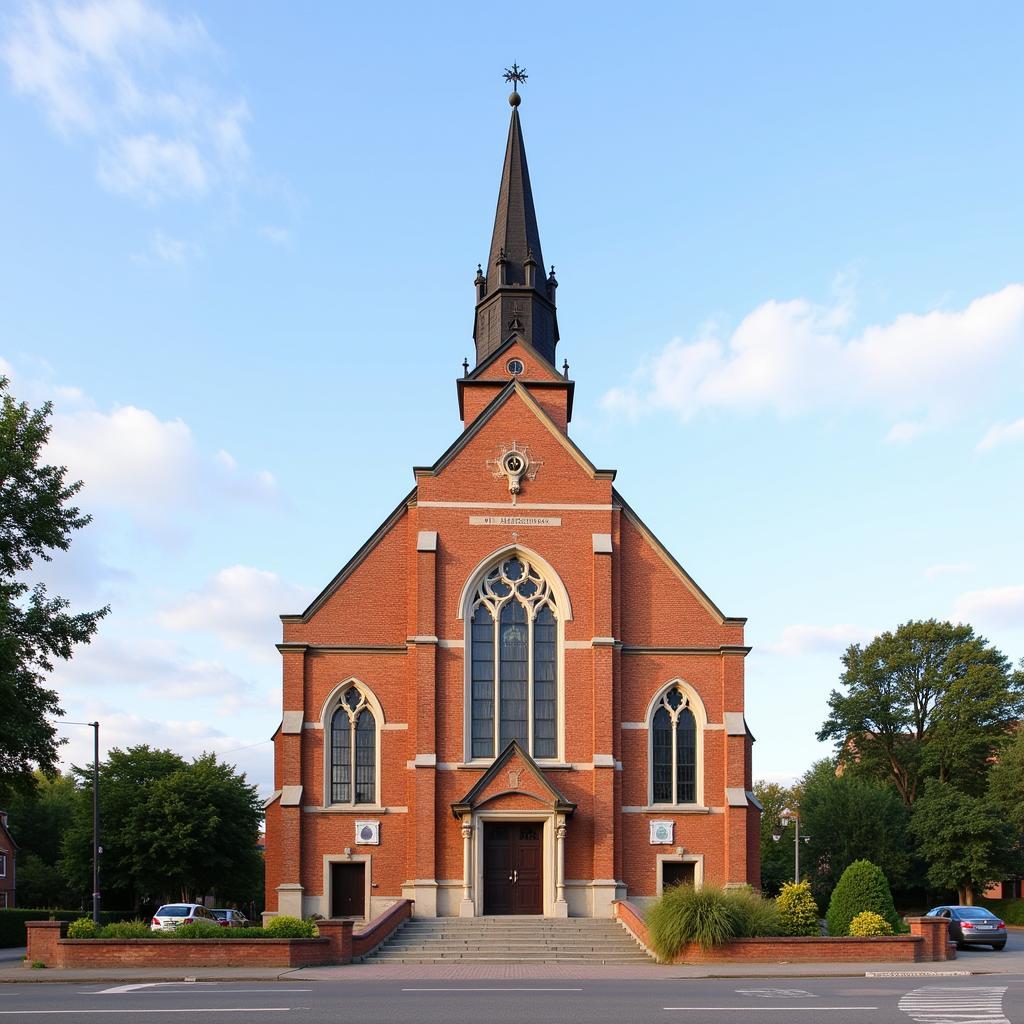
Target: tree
(930, 700)
(35, 628)
(776, 857)
(1006, 782)
(966, 840)
(847, 819)
(39, 818)
(170, 829)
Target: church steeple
(514, 296)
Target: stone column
(466, 907)
(561, 908)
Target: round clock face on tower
(514, 463)
(515, 367)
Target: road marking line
(966, 1004)
(530, 989)
(196, 1009)
(775, 1009)
(203, 992)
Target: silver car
(173, 915)
(973, 925)
(230, 918)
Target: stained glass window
(673, 750)
(353, 751)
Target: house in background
(8, 848)
(513, 699)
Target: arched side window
(513, 661)
(673, 738)
(353, 750)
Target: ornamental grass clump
(798, 912)
(754, 916)
(683, 915)
(868, 923)
(863, 886)
(285, 927)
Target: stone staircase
(539, 940)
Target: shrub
(1011, 911)
(83, 928)
(12, 922)
(285, 927)
(867, 922)
(863, 886)
(684, 914)
(127, 930)
(798, 913)
(754, 916)
(198, 930)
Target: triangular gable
(687, 580)
(517, 763)
(354, 562)
(514, 387)
(504, 347)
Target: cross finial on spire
(515, 76)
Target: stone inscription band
(515, 521)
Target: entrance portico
(513, 840)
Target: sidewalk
(975, 962)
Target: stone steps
(510, 940)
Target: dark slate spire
(513, 294)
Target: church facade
(513, 699)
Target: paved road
(994, 999)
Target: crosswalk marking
(961, 1005)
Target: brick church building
(513, 699)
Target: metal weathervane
(515, 76)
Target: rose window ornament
(514, 463)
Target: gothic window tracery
(353, 776)
(514, 661)
(673, 749)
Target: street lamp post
(785, 818)
(96, 849)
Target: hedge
(1011, 911)
(863, 886)
(12, 922)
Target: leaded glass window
(673, 750)
(513, 656)
(353, 751)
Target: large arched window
(673, 729)
(353, 750)
(513, 661)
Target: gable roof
(688, 581)
(561, 803)
(514, 387)
(477, 370)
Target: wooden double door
(513, 872)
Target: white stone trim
(291, 796)
(393, 726)
(604, 761)
(696, 859)
(452, 644)
(519, 505)
(425, 761)
(291, 723)
(355, 809)
(735, 796)
(672, 809)
(735, 725)
(633, 725)
(602, 543)
(426, 540)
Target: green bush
(83, 928)
(12, 922)
(867, 922)
(197, 930)
(754, 916)
(798, 912)
(684, 914)
(126, 930)
(285, 927)
(1011, 911)
(863, 886)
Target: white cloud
(933, 572)
(131, 459)
(137, 82)
(796, 357)
(240, 605)
(277, 235)
(165, 249)
(996, 606)
(1002, 433)
(804, 639)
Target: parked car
(974, 925)
(230, 918)
(174, 915)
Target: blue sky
(791, 294)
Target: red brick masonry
(927, 941)
(337, 944)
